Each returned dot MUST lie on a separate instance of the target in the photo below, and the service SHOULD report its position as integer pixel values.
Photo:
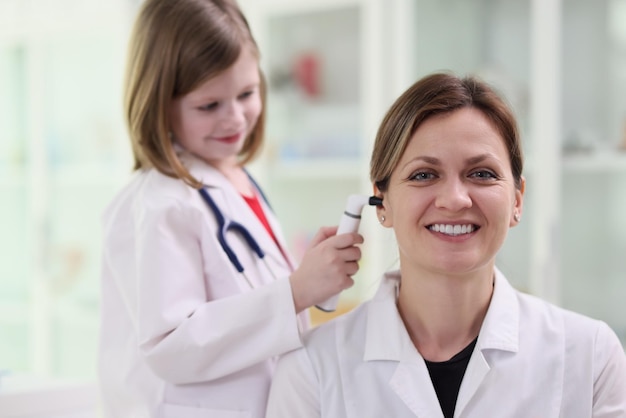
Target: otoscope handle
(349, 222)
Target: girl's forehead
(243, 73)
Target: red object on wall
(307, 74)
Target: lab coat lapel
(477, 369)
(499, 331)
(412, 384)
(388, 340)
(235, 207)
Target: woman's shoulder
(353, 331)
(337, 327)
(578, 328)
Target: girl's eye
(246, 94)
(483, 174)
(209, 106)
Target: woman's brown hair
(436, 94)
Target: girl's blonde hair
(175, 46)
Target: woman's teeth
(452, 229)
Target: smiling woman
(446, 334)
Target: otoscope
(349, 222)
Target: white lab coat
(531, 360)
(182, 333)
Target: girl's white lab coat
(531, 360)
(182, 332)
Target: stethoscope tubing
(224, 226)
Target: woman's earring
(516, 217)
(382, 219)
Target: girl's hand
(326, 268)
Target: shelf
(89, 175)
(69, 175)
(289, 7)
(14, 179)
(611, 162)
(76, 313)
(596, 162)
(322, 169)
(14, 312)
(43, 20)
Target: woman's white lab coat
(531, 360)
(182, 332)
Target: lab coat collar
(200, 170)
(388, 339)
(499, 332)
(500, 328)
(386, 336)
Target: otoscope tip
(375, 201)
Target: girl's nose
(453, 195)
(233, 117)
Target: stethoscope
(224, 225)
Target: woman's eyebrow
(425, 158)
(436, 161)
(479, 158)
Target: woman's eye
(422, 175)
(483, 174)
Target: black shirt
(447, 376)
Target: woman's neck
(443, 314)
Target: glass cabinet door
(15, 255)
(593, 100)
(64, 152)
(311, 56)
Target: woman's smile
(453, 230)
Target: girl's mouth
(229, 139)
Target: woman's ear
(380, 209)
(518, 204)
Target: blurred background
(334, 67)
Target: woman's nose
(453, 195)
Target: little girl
(199, 294)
